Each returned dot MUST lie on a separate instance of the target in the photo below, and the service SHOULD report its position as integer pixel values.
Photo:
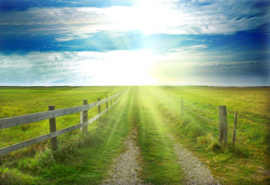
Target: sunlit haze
(134, 42)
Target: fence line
(204, 110)
(189, 105)
(48, 114)
(174, 103)
(202, 117)
(223, 127)
(209, 120)
(30, 118)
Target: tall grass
(80, 159)
(240, 163)
(21, 101)
(160, 163)
(83, 159)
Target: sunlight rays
(121, 67)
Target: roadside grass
(86, 159)
(81, 159)
(246, 162)
(160, 163)
(16, 101)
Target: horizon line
(130, 85)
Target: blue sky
(139, 42)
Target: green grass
(21, 101)
(236, 164)
(80, 159)
(87, 159)
(160, 163)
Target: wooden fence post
(234, 128)
(223, 126)
(182, 107)
(99, 111)
(53, 129)
(84, 117)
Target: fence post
(234, 127)
(223, 126)
(53, 129)
(84, 117)
(99, 110)
(107, 105)
(182, 106)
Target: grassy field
(156, 113)
(160, 163)
(246, 162)
(79, 158)
(21, 101)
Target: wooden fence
(223, 125)
(51, 114)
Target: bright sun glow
(133, 67)
(121, 67)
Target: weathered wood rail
(52, 114)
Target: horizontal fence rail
(52, 114)
(30, 118)
(191, 108)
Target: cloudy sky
(134, 42)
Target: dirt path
(126, 168)
(195, 172)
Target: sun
(119, 67)
(134, 68)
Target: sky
(134, 42)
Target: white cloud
(201, 46)
(150, 17)
(198, 53)
(76, 68)
(119, 67)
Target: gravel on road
(125, 170)
(195, 172)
